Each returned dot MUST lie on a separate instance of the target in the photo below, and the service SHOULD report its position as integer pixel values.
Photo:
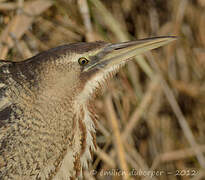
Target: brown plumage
(47, 128)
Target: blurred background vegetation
(157, 100)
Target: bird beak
(115, 54)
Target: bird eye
(83, 61)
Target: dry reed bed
(151, 117)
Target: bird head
(80, 68)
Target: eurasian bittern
(47, 128)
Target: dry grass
(155, 115)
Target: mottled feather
(37, 128)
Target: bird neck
(75, 123)
(63, 128)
